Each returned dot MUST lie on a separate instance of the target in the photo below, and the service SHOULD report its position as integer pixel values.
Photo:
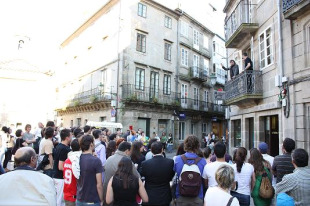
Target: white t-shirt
(209, 172)
(218, 197)
(268, 158)
(244, 178)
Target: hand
(221, 65)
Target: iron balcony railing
(198, 73)
(195, 104)
(246, 83)
(149, 94)
(243, 13)
(288, 4)
(89, 96)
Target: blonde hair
(225, 176)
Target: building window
(184, 57)
(206, 96)
(206, 64)
(196, 97)
(265, 49)
(307, 44)
(168, 51)
(168, 22)
(79, 120)
(142, 10)
(102, 119)
(154, 84)
(167, 84)
(220, 74)
(184, 95)
(237, 132)
(141, 42)
(193, 129)
(195, 66)
(139, 79)
(204, 128)
(205, 42)
(85, 121)
(196, 39)
(71, 123)
(184, 29)
(181, 130)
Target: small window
(71, 123)
(168, 22)
(184, 57)
(141, 42)
(168, 51)
(102, 119)
(79, 120)
(142, 10)
(181, 130)
(204, 128)
(196, 39)
(237, 132)
(205, 42)
(167, 84)
(139, 79)
(265, 49)
(184, 29)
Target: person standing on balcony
(248, 68)
(233, 69)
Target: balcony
(245, 90)
(148, 96)
(199, 74)
(240, 24)
(294, 8)
(201, 106)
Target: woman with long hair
(136, 154)
(244, 175)
(261, 166)
(124, 186)
(111, 148)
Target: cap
(263, 147)
(284, 200)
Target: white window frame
(204, 128)
(184, 29)
(154, 84)
(196, 98)
(184, 57)
(193, 129)
(182, 130)
(139, 82)
(196, 39)
(195, 65)
(184, 95)
(168, 22)
(206, 65)
(142, 10)
(167, 52)
(167, 84)
(263, 47)
(206, 42)
(307, 44)
(141, 42)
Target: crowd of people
(91, 166)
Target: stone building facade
(137, 67)
(270, 103)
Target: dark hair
(27, 125)
(64, 134)
(300, 157)
(25, 159)
(232, 61)
(77, 131)
(5, 129)
(135, 151)
(157, 147)
(125, 173)
(234, 155)
(96, 133)
(50, 124)
(256, 159)
(199, 152)
(191, 143)
(180, 149)
(18, 133)
(75, 145)
(49, 132)
(219, 150)
(289, 144)
(206, 152)
(86, 128)
(112, 136)
(245, 54)
(124, 146)
(110, 148)
(152, 140)
(86, 141)
(240, 157)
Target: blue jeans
(244, 200)
(78, 203)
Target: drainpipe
(118, 61)
(280, 68)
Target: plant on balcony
(133, 98)
(93, 99)
(76, 103)
(176, 103)
(155, 100)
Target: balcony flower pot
(93, 99)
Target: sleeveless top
(258, 201)
(124, 197)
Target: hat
(263, 147)
(284, 200)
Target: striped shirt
(296, 185)
(282, 165)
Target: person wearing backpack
(261, 168)
(189, 167)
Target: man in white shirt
(30, 187)
(210, 169)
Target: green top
(163, 139)
(258, 201)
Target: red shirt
(69, 182)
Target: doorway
(144, 124)
(250, 132)
(272, 134)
